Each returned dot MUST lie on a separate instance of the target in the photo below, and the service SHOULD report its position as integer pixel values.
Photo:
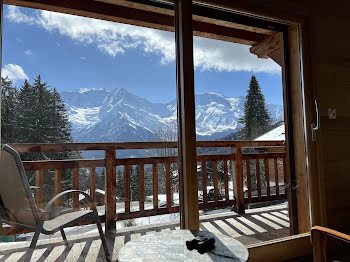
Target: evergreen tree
(26, 105)
(8, 111)
(45, 110)
(39, 117)
(42, 118)
(256, 117)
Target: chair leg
(36, 236)
(32, 246)
(64, 236)
(102, 236)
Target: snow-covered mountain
(98, 115)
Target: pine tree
(26, 104)
(256, 117)
(44, 112)
(8, 111)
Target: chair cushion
(63, 219)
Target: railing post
(39, 183)
(141, 188)
(92, 173)
(237, 171)
(111, 191)
(75, 186)
(58, 186)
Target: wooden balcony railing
(247, 169)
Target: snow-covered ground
(276, 134)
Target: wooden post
(237, 171)
(155, 186)
(39, 183)
(267, 177)
(168, 186)
(249, 181)
(204, 182)
(141, 188)
(227, 195)
(127, 196)
(258, 178)
(186, 116)
(276, 177)
(215, 182)
(92, 173)
(75, 187)
(58, 185)
(319, 246)
(111, 191)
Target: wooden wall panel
(331, 73)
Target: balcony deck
(258, 224)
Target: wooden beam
(281, 249)
(271, 47)
(199, 18)
(186, 116)
(228, 34)
(143, 17)
(60, 147)
(111, 192)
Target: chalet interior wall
(330, 55)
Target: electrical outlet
(332, 113)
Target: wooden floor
(256, 225)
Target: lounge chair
(18, 208)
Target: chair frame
(42, 216)
(319, 237)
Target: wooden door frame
(300, 72)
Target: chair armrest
(52, 201)
(329, 232)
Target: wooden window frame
(301, 98)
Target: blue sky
(74, 52)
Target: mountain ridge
(99, 115)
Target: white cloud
(83, 58)
(14, 72)
(15, 15)
(28, 52)
(114, 39)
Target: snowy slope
(99, 115)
